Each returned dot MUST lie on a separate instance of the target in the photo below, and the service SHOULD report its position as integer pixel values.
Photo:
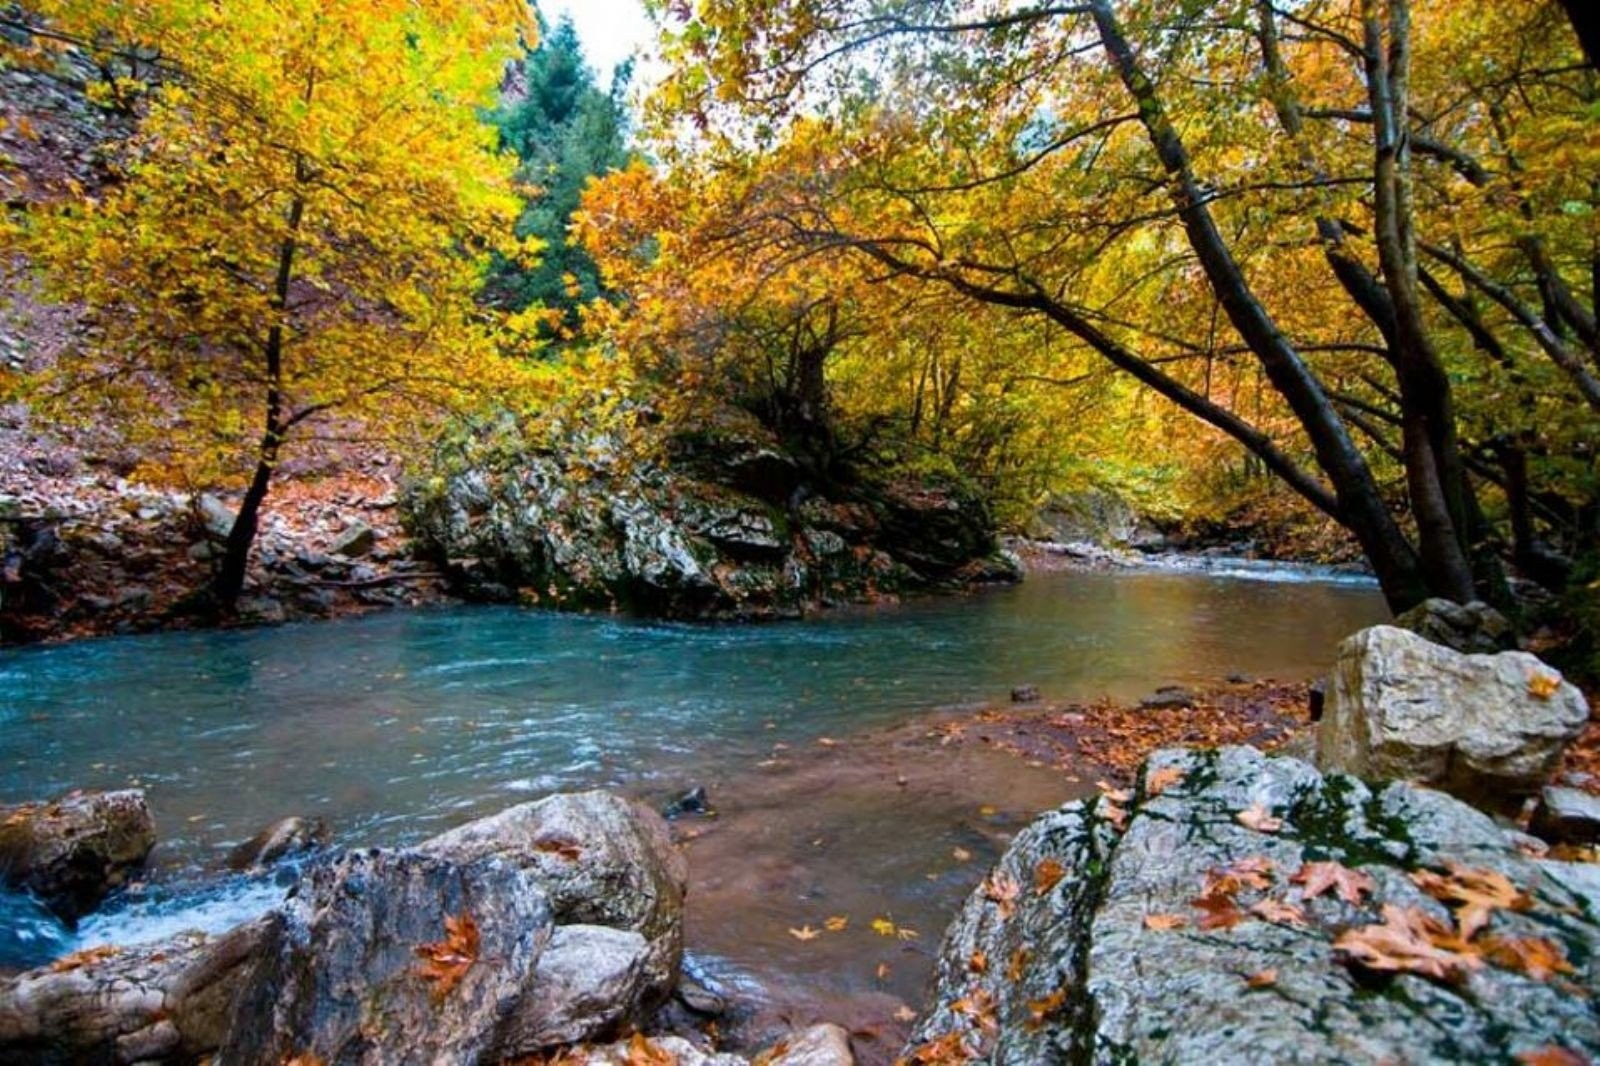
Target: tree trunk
(1361, 505)
(230, 577)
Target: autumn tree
(1384, 217)
(296, 232)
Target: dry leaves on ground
(1477, 893)
(1409, 941)
(1319, 877)
(1260, 819)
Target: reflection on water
(396, 726)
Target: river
(396, 726)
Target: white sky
(611, 30)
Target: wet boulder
(164, 1002)
(285, 837)
(1489, 728)
(1185, 923)
(72, 852)
(393, 957)
(602, 861)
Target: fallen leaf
(805, 932)
(1018, 964)
(1259, 818)
(903, 933)
(836, 924)
(1408, 941)
(1163, 922)
(1540, 959)
(883, 971)
(1262, 979)
(979, 962)
(1003, 891)
(88, 956)
(446, 962)
(1162, 779)
(961, 854)
(1221, 912)
(1115, 815)
(1543, 685)
(1254, 871)
(565, 849)
(1047, 875)
(1319, 877)
(827, 742)
(1478, 892)
(1279, 913)
(642, 1051)
(883, 926)
(904, 1013)
(1040, 1009)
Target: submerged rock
(74, 851)
(1490, 728)
(1085, 944)
(284, 837)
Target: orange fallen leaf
(88, 956)
(1478, 892)
(642, 1051)
(1540, 959)
(1279, 913)
(1220, 911)
(1262, 980)
(1003, 891)
(1254, 871)
(1162, 779)
(836, 924)
(1163, 922)
(446, 962)
(1018, 964)
(1257, 817)
(979, 962)
(1408, 941)
(564, 849)
(1319, 877)
(1040, 1009)
(1047, 875)
(1543, 685)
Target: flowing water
(396, 726)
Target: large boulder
(162, 1002)
(1489, 728)
(74, 851)
(393, 957)
(1470, 628)
(1183, 924)
(602, 861)
(718, 522)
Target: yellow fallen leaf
(836, 924)
(1544, 685)
(883, 927)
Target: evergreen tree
(565, 129)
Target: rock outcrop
(1180, 925)
(724, 524)
(1489, 728)
(72, 852)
